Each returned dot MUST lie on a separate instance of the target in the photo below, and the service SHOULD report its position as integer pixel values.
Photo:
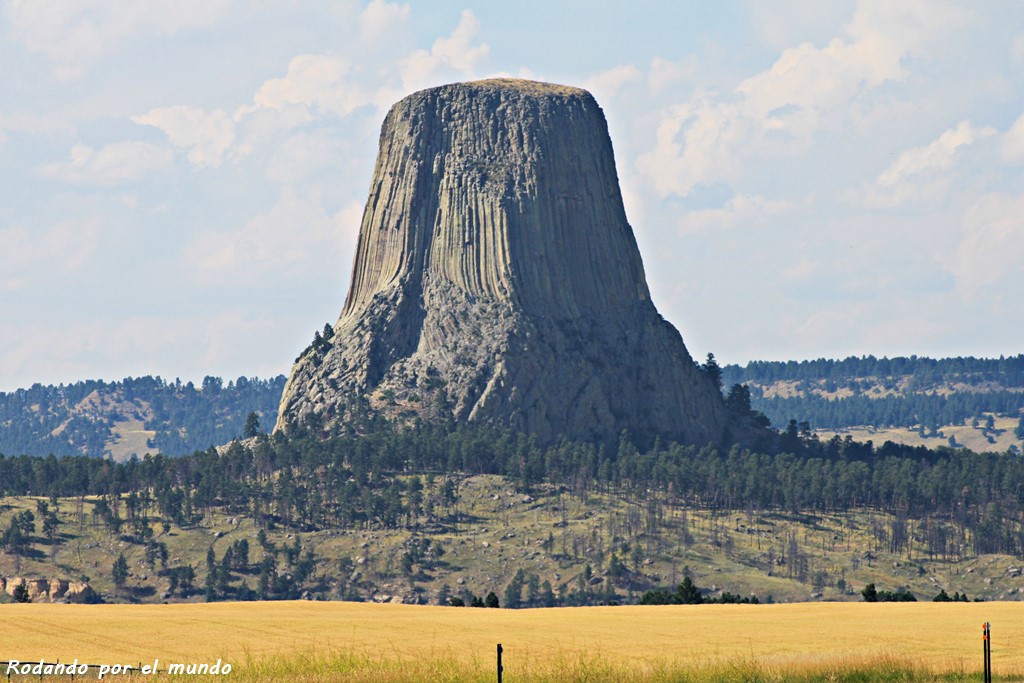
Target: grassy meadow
(328, 641)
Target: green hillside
(420, 515)
(133, 416)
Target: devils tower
(497, 281)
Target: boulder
(80, 592)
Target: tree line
(377, 478)
(1008, 371)
(926, 411)
(909, 384)
(58, 419)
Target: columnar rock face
(496, 280)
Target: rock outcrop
(51, 590)
(497, 280)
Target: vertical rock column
(497, 280)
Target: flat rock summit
(497, 281)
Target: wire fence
(17, 670)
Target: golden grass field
(326, 641)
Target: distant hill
(963, 402)
(133, 416)
(973, 402)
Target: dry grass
(974, 438)
(528, 86)
(130, 438)
(309, 641)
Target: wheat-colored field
(319, 641)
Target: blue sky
(182, 180)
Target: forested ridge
(911, 392)
(361, 478)
(82, 418)
(1007, 370)
(945, 504)
(371, 480)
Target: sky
(181, 181)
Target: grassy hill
(377, 515)
(564, 540)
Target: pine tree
(252, 425)
(713, 371)
(514, 590)
(21, 593)
(211, 575)
(119, 572)
(688, 594)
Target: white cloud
(71, 33)
(380, 20)
(27, 255)
(1013, 142)
(316, 85)
(663, 72)
(261, 129)
(777, 112)
(811, 78)
(801, 269)
(1017, 48)
(782, 23)
(920, 173)
(915, 25)
(936, 156)
(206, 135)
(992, 243)
(316, 81)
(740, 211)
(110, 165)
(693, 145)
(295, 236)
(607, 84)
(455, 53)
(302, 155)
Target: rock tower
(496, 280)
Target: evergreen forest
(84, 418)
(911, 392)
(947, 504)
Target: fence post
(986, 641)
(500, 667)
